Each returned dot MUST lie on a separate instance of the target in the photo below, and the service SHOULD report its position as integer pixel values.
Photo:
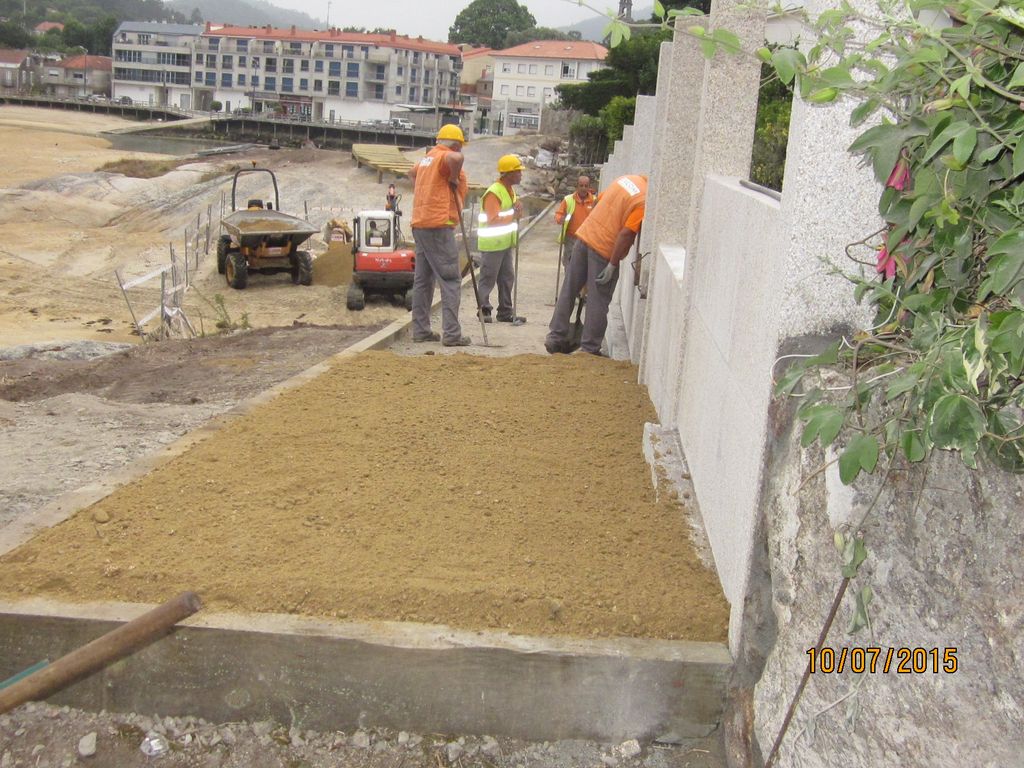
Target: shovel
(516, 319)
(558, 271)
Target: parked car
(98, 97)
(402, 125)
(126, 100)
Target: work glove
(607, 275)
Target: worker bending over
(497, 235)
(440, 186)
(571, 213)
(603, 241)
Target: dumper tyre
(408, 299)
(302, 268)
(223, 246)
(237, 270)
(355, 300)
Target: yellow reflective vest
(503, 233)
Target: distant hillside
(593, 29)
(244, 13)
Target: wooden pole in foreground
(101, 652)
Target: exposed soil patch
(414, 489)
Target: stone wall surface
(946, 572)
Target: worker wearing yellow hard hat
(497, 239)
(440, 187)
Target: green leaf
(973, 347)
(901, 385)
(1018, 77)
(659, 9)
(956, 423)
(838, 77)
(828, 356)
(787, 62)
(1018, 156)
(728, 40)
(963, 145)
(860, 454)
(1004, 271)
(790, 378)
(912, 446)
(864, 111)
(708, 48)
(961, 86)
(688, 11)
(823, 423)
(765, 55)
(823, 95)
(854, 553)
(859, 620)
(950, 132)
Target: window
(548, 93)
(241, 80)
(333, 88)
(144, 39)
(401, 70)
(549, 69)
(427, 94)
(347, 52)
(318, 66)
(568, 70)
(303, 84)
(398, 90)
(255, 62)
(241, 45)
(255, 81)
(414, 74)
(329, 50)
(318, 85)
(211, 61)
(270, 65)
(214, 43)
(365, 49)
(270, 84)
(531, 91)
(378, 91)
(380, 73)
(199, 59)
(352, 90)
(225, 80)
(241, 62)
(295, 48)
(226, 62)
(287, 84)
(506, 66)
(211, 79)
(352, 69)
(335, 69)
(518, 120)
(268, 46)
(520, 90)
(288, 66)
(199, 77)
(504, 90)
(533, 69)
(521, 69)
(414, 93)
(426, 77)
(304, 66)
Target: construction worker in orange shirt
(603, 241)
(497, 236)
(571, 213)
(439, 190)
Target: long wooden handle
(101, 652)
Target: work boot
(432, 336)
(557, 347)
(485, 315)
(462, 341)
(515, 320)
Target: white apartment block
(321, 76)
(525, 78)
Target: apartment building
(153, 63)
(525, 77)
(318, 75)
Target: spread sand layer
(476, 492)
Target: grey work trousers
(584, 267)
(436, 256)
(496, 267)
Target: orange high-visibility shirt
(433, 204)
(621, 207)
(579, 214)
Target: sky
(431, 18)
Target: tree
(487, 22)
(632, 69)
(196, 17)
(14, 36)
(616, 114)
(520, 36)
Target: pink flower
(886, 264)
(899, 179)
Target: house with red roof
(525, 77)
(77, 76)
(45, 26)
(15, 69)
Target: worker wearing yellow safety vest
(497, 234)
(572, 212)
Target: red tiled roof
(333, 36)
(9, 56)
(46, 26)
(92, 62)
(485, 51)
(555, 49)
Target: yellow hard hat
(509, 163)
(451, 132)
